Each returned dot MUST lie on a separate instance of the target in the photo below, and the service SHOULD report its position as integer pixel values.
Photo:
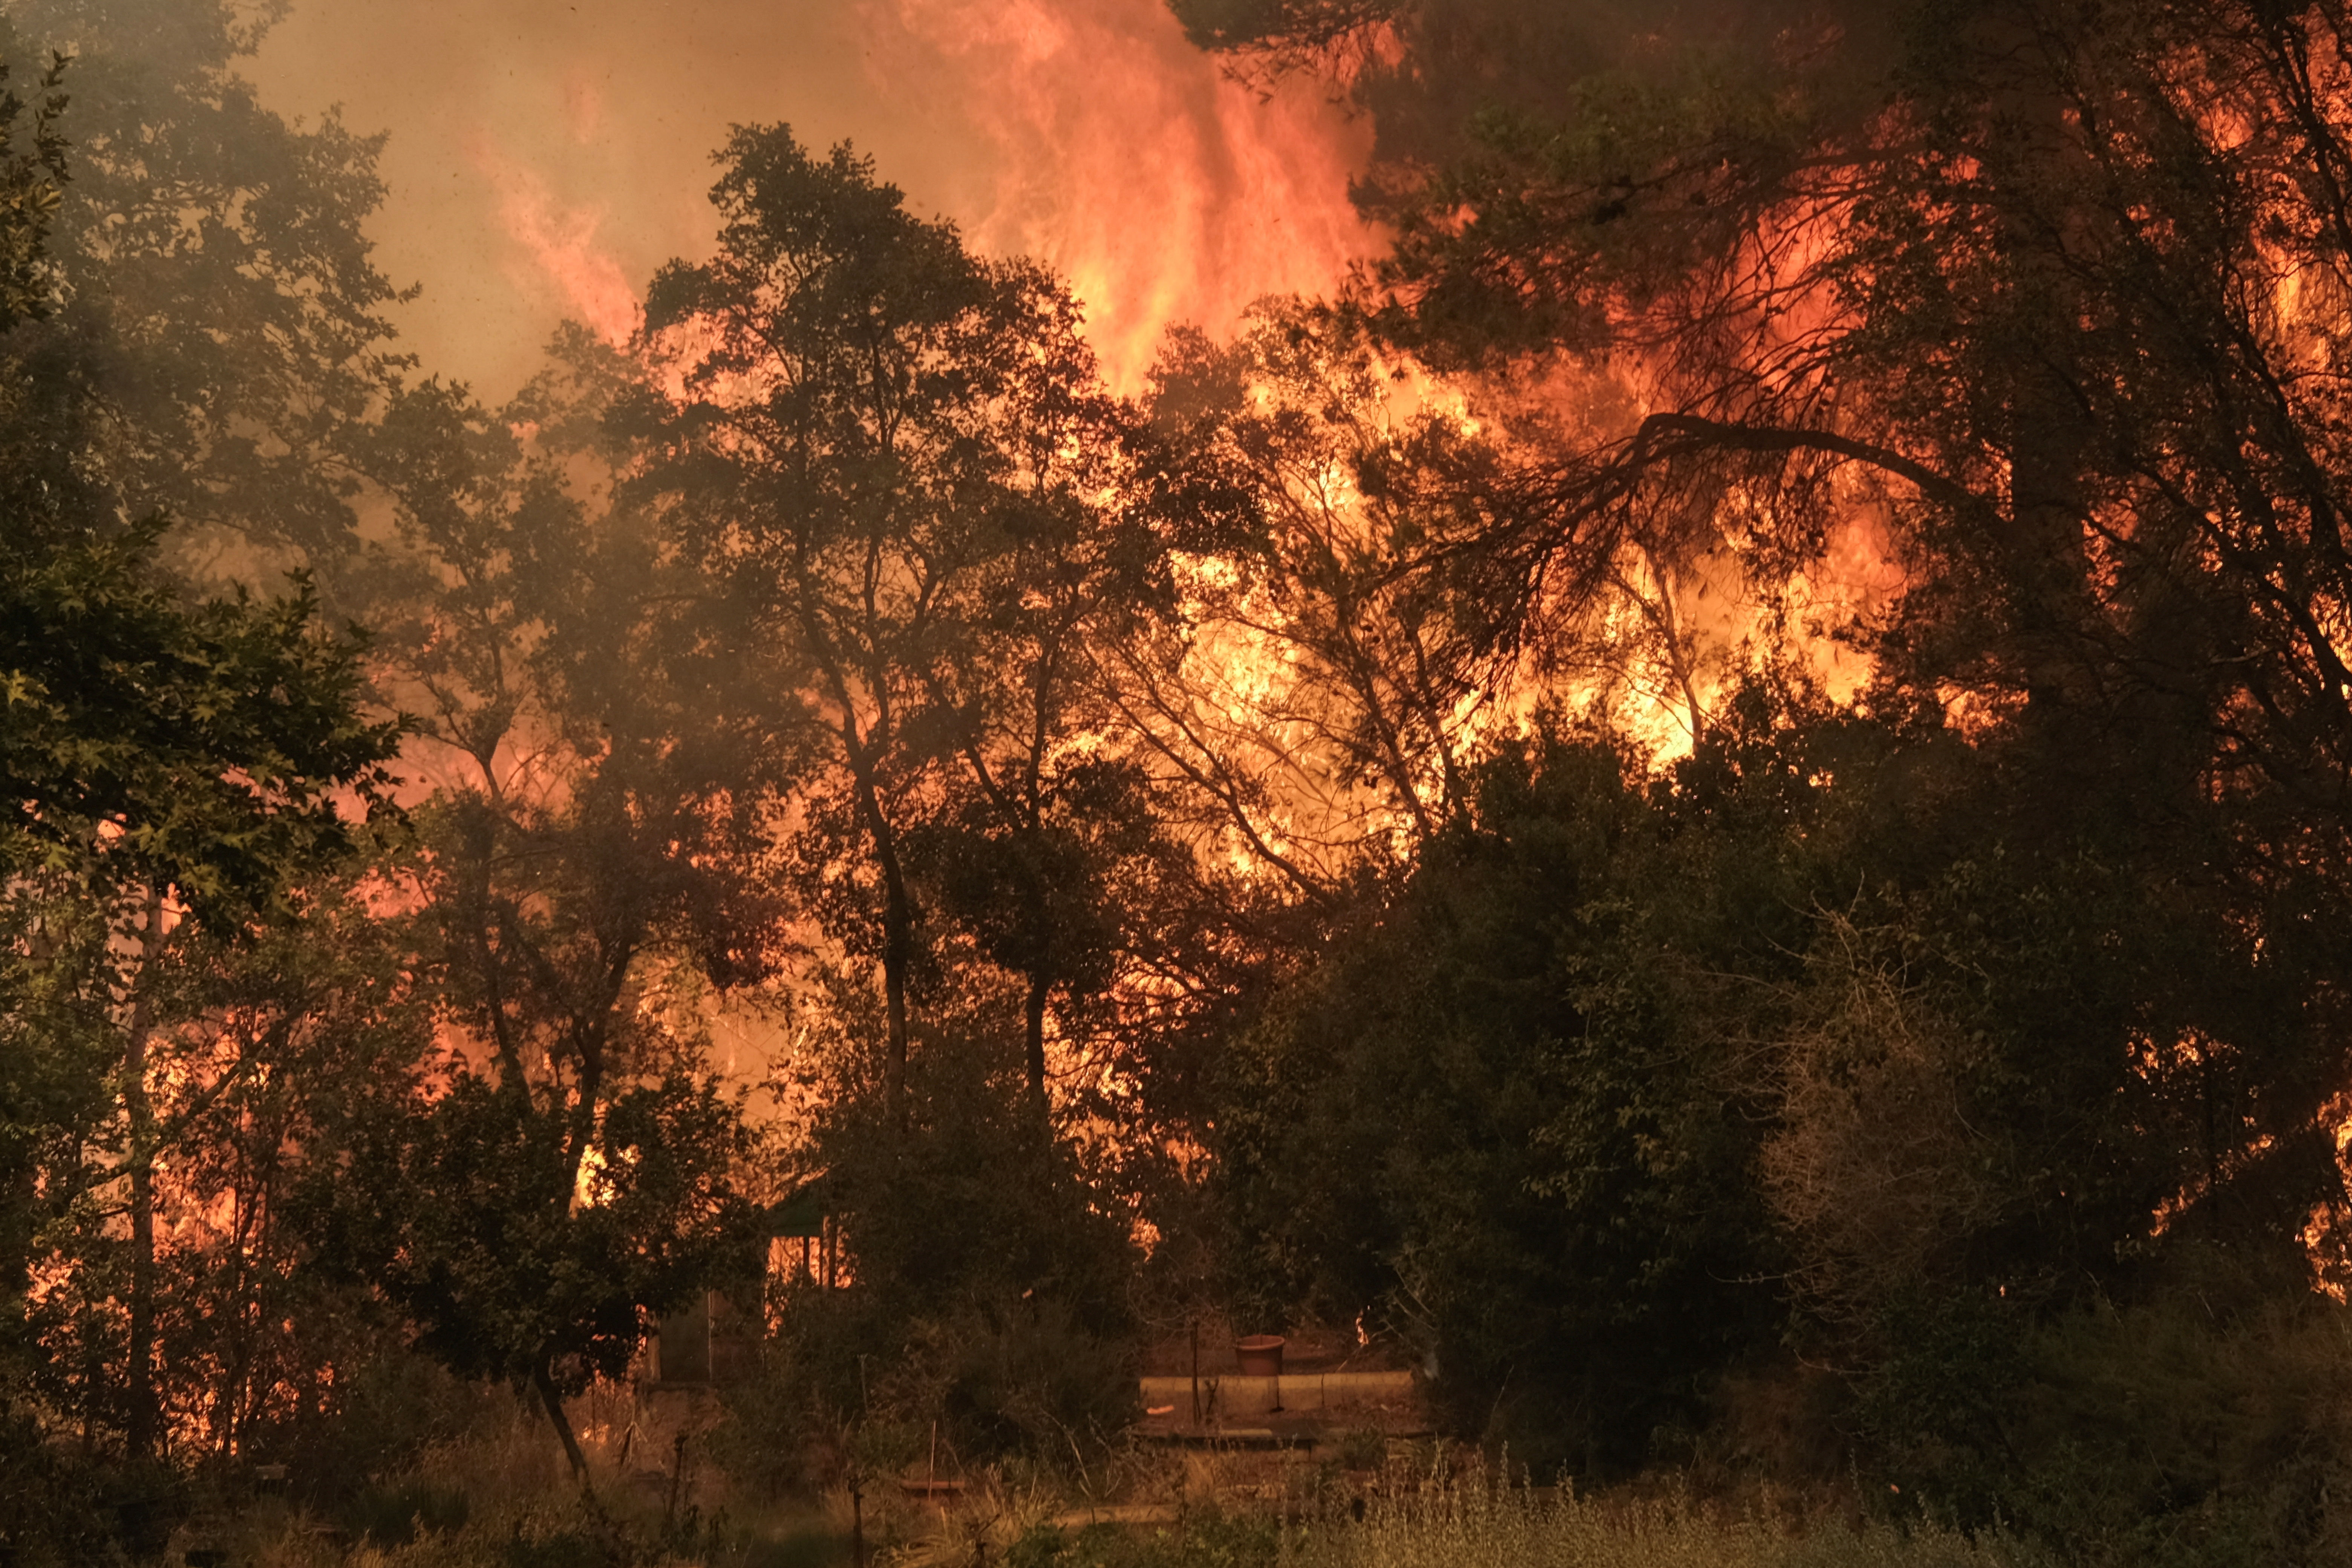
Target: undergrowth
(1480, 1525)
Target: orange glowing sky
(546, 155)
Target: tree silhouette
(887, 455)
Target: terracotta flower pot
(1261, 1355)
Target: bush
(988, 1296)
(1503, 1119)
(2187, 1428)
(395, 1514)
(1032, 1379)
(1023, 1378)
(389, 1409)
(48, 1495)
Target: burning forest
(1114, 783)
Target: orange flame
(561, 240)
(1164, 191)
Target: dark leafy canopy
(889, 460)
(214, 749)
(1820, 1043)
(203, 746)
(219, 291)
(2055, 292)
(512, 1267)
(599, 859)
(209, 749)
(33, 186)
(1506, 1122)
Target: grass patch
(1479, 1526)
(1482, 1526)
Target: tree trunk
(1040, 984)
(898, 954)
(897, 939)
(139, 1378)
(2042, 551)
(544, 1381)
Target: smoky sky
(544, 156)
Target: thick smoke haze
(543, 156)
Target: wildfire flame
(1118, 154)
(1164, 191)
(561, 244)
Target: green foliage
(31, 187)
(1608, 1096)
(1494, 1119)
(218, 290)
(152, 743)
(2204, 1426)
(508, 1267)
(144, 740)
(988, 1294)
(215, 739)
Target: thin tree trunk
(898, 945)
(863, 753)
(1039, 983)
(544, 1381)
(141, 1417)
(898, 950)
(2049, 436)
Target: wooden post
(1196, 1374)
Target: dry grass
(522, 1512)
(1479, 1525)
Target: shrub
(2187, 1428)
